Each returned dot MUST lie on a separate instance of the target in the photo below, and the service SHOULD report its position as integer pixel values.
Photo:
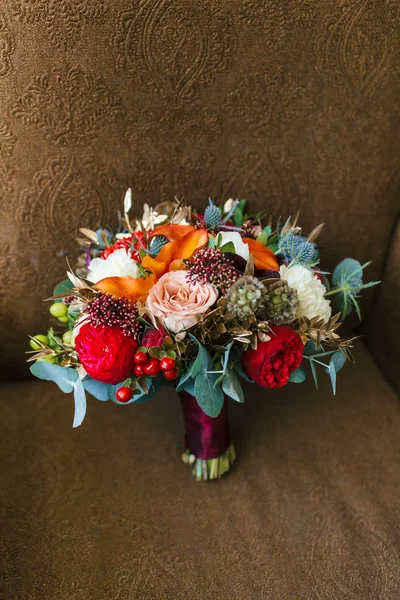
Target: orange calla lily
(264, 258)
(173, 232)
(129, 287)
(173, 252)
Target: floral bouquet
(199, 302)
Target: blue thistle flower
(212, 216)
(157, 243)
(297, 249)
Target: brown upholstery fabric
(108, 512)
(290, 104)
(382, 328)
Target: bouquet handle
(208, 447)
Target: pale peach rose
(177, 303)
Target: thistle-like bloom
(109, 311)
(212, 266)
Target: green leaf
(232, 387)
(238, 216)
(239, 369)
(332, 374)
(228, 247)
(184, 377)
(67, 380)
(189, 386)
(226, 356)
(62, 288)
(264, 235)
(338, 360)
(209, 398)
(314, 373)
(80, 403)
(64, 377)
(298, 375)
(203, 361)
(99, 390)
(310, 349)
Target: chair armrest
(382, 327)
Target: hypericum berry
(67, 338)
(63, 319)
(138, 370)
(38, 338)
(58, 309)
(152, 368)
(124, 394)
(170, 375)
(167, 364)
(140, 358)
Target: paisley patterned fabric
(293, 105)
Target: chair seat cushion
(108, 511)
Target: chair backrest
(293, 105)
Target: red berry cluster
(145, 365)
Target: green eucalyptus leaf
(314, 373)
(183, 379)
(189, 386)
(80, 403)
(332, 374)
(298, 375)
(203, 361)
(64, 377)
(310, 349)
(231, 386)
(209, 398)
(338, 359)
(99, 390)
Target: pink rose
(178, 303)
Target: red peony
(154, 337)
(271, 364)
(105, 352)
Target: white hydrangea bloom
(311, 292)
(118, 264)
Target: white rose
(241, 248)
(117, 264)
(311, 292)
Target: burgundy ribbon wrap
(205, 437)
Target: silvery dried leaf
(315, 232)
(128, 201)
(89, 233)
